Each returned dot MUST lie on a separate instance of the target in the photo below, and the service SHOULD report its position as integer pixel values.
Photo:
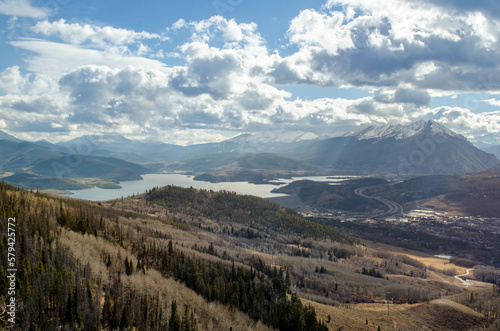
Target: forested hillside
(253, 212)
(186, 259)
(86, 267)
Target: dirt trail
(463, 280)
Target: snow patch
(275, 137)
(400, 131)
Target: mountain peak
(6, 136)
(275, 137)
(400, 131)
(111, 138)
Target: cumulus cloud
(11, 80)
(403, 95)
(112, 97)
(385, 44)
(226, 79)
(466, 122)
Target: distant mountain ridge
(423, 147)
(400, 132)
(417, 148)
(420, 148)
(120, 147)
(495, 150)
(6, 136)
(273, 137)
(29, 161)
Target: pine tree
(174, 323)
(185, 322)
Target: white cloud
(493, 102)
(55, 59)
(226, 79)
(22, 8)
(78, 34)
(374, 44)
(313, 29)
(12, 81)
(466, 122)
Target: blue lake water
(152, 180)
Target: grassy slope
(441, 314)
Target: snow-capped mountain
(269, 137)
(423, 147)
(400, 131)
(418, 148)
(97, 140)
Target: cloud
(226, 79)
(487, 7)
(96, 97)
(111, 96)
(386, 44)
(466, 122)
(22, 8)
(322, 24)
(404, 95)
(493, 102)
(56, 59)
(12, 81)
(33, 113)
(138, 100)
(79, 34)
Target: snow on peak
(400, 131)
(275, 137)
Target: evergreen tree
(185, 322)
(174, 323)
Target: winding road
(394, 208)
(464, 282)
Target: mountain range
(35, 166)
(420, 148)
(495, 150)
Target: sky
(196, 71)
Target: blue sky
(196, 71)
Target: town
(465, 238)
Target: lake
(152, 180)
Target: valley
(351, 244)
(234, 165)
(390, 152)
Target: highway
(394, 208)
